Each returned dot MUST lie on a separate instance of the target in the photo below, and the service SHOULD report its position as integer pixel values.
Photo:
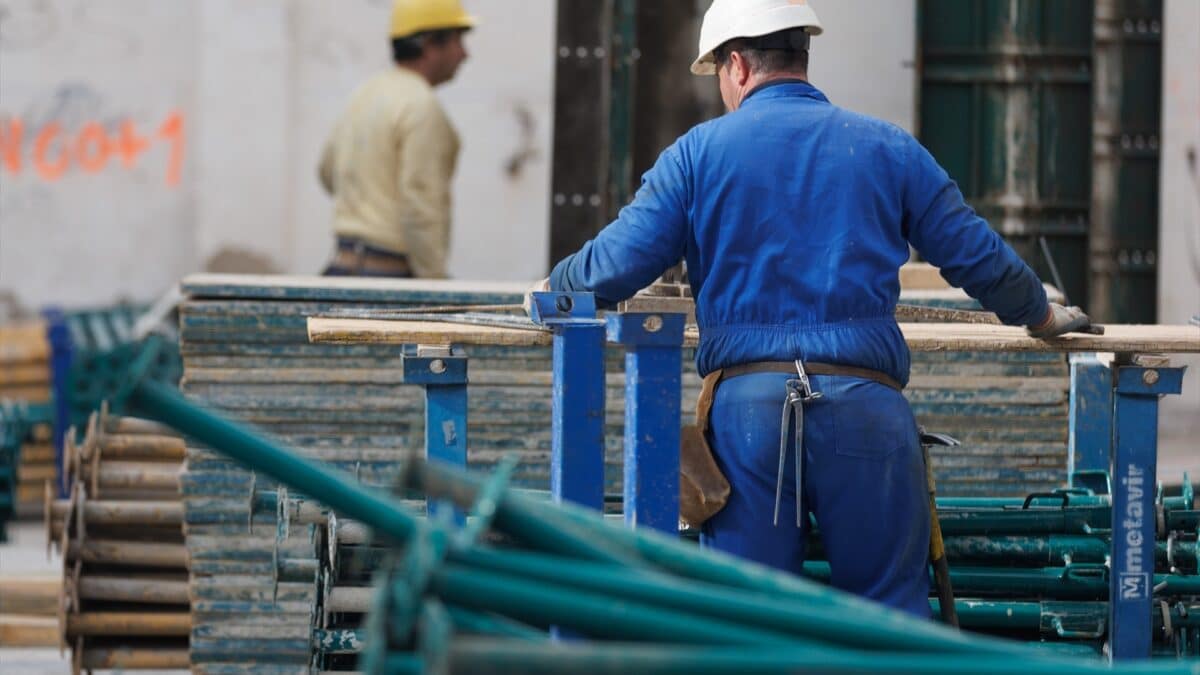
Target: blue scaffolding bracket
(654, 346)
(442, 373)
(1138, 385)
(577, 409)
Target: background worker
(391, 157)
(794, 217)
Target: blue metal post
(577, 409)
(1134, 464)
(443, 374)
(654, 344)
(1090, 431)
(62, 356)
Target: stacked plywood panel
(25, 379)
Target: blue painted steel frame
(444, 381)
(1090, 430)
(577, 408)
(1134, 464)
(654, 344)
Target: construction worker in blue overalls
(794, 217)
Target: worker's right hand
(539, 287)
(1060, 320)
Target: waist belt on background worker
(355, 256)
(703, 489)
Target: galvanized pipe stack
(125, 599)
(1038, 569)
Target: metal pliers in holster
(799, 392)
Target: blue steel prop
(654, 345)
(1134, 466)
(577, 410)
(1090, 430)
(442, 374)
(61, 358)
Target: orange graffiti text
(52, 151)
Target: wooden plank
(348, 289)
(921, 337)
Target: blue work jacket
(795, 216)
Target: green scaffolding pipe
(695, 597)
(514, 512)
(1042, 551)
(1073, 520)
(484, 656)
(1075, 582)
(593, 614)
(483, 623)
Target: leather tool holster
(703, 489)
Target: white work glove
(1060, 320)
(541, 286)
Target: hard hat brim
(466, 22)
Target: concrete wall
(1179, 203)
(232, 101)
(865, 59)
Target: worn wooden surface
(921, 337)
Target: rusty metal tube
(126, 658)
(114, 512)
(159, 476)
(129, 624)
(355, 599)
(134, 446)
(135, 426)
(131, 553)
(120, 589)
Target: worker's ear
(739, 69)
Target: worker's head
(748, 42)
(427, 36)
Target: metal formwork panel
(1006, 109)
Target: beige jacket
(389, 164)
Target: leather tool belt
(356, 257)
(703, 489)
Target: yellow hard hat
(417, 16)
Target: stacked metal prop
(1038, 569)
(451, 602)
(124, 597)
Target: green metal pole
(515, 512)
(484, 657)
(542, 604)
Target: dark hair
(783, 51)
(409, 48)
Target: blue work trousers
(864, 483)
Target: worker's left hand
(541, 286)
(1060, 320)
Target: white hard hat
(729, 19)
